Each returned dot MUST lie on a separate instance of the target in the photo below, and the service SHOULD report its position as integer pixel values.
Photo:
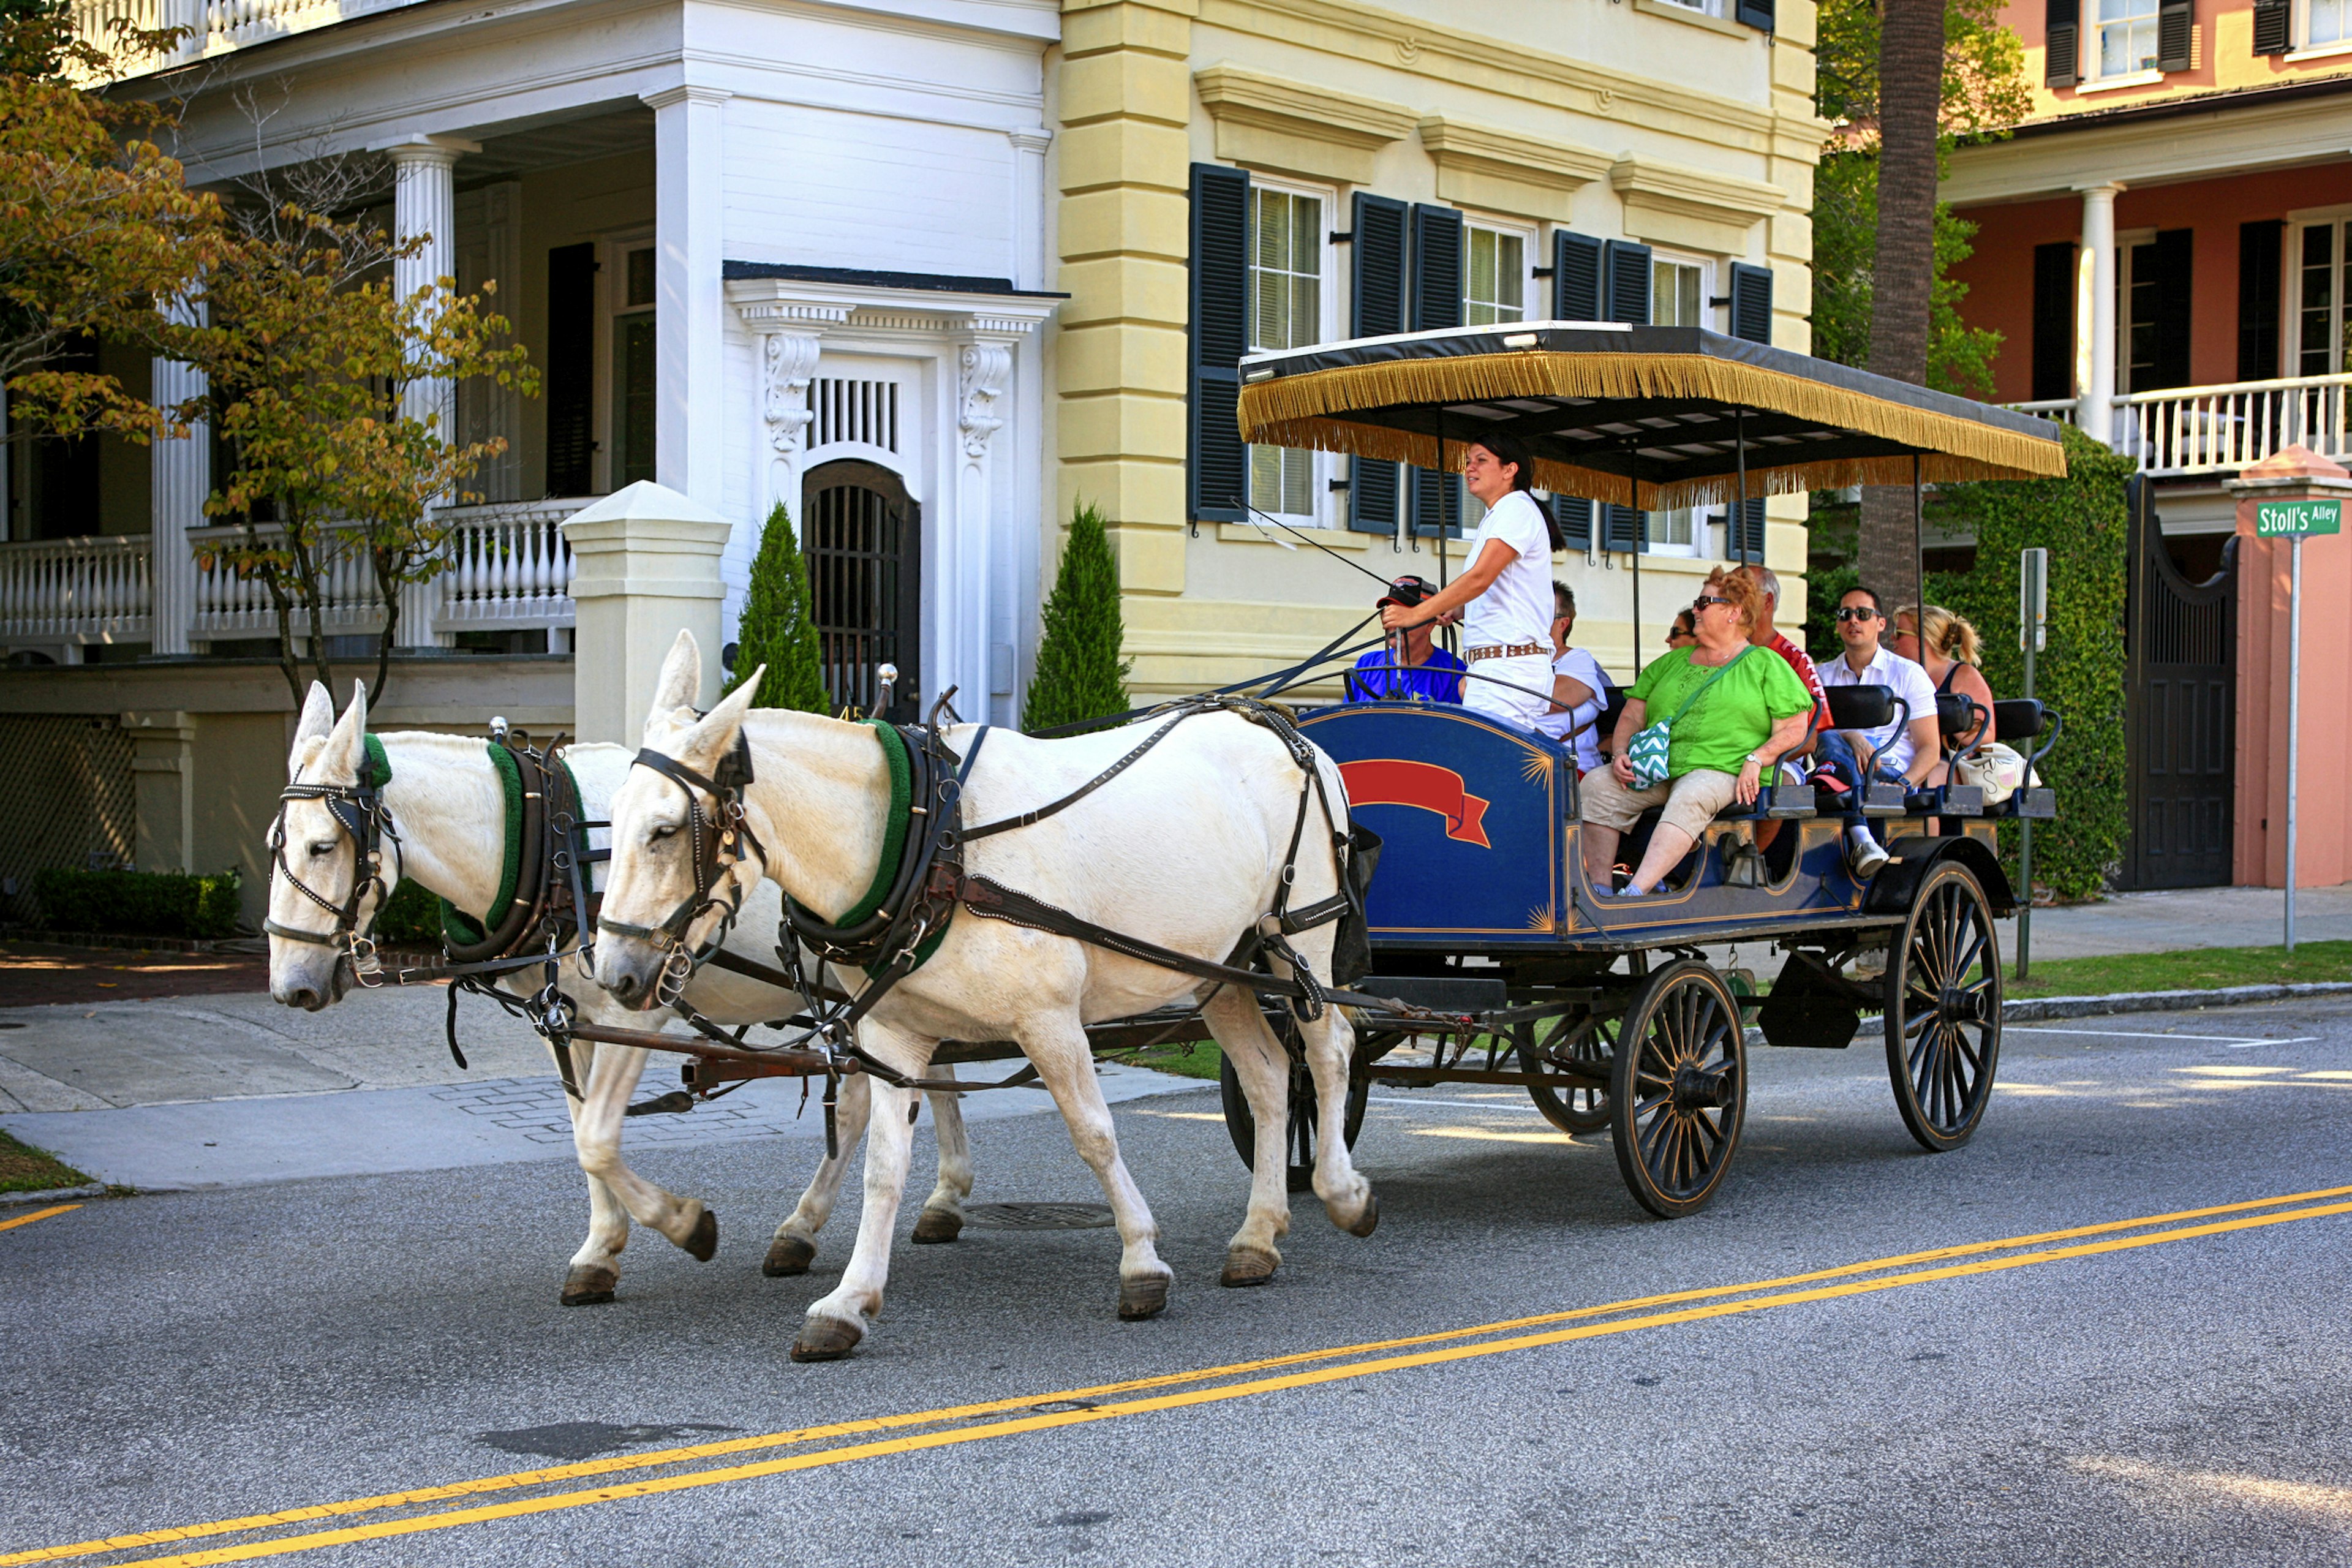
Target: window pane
(2327, 22)
(1510, 277)
(641, 276)
(2315, 301)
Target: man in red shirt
(1765, 636)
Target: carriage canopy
(1651, 418)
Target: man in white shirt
(1579, 688)
(1903, 750)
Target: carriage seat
(2027, 718)
(1869, 708)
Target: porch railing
(96, 589)
(511, 571)
(2178, 432)
(214, 25)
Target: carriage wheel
(1943, 1009)
(1241, 1126)
(1678, 1087)
(1576, 1104)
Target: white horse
(447, 804)
(1185, 849)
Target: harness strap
(993, 900)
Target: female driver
(1508, 588)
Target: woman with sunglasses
(1733, 713)
(1505, 595)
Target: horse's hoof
(937, 1225)
(826, 1339)
(788, 1255)
(701, 1243)
(1370, 1220)
(589, 1283)
(1145, 1296)
(1248, 1266)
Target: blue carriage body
(1481, 849)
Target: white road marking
(1472, 1104)
(2235, 1042)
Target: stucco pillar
(424, 205)
(1125, 244)
(690, 326)
(180, 475)
(2324, 762)
(647, 567)
(2096, 315)
(163, 778)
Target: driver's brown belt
(1496, 650)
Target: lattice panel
(66, 797)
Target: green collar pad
(894, 835)
(379, 766)
(460, 927)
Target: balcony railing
(511, 571)
(98, 589)
(2179, 432)
(214, 26)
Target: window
(2327, 22)
(2319, 300)
(633, 403)
(1678, 293)
(2128, 41)
(1285, 310)
(1494, 277)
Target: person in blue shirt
(1409, 667)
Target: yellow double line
(37, 1214)
(1108, 1402)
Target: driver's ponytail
(1510, 450)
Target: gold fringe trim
(1309, 410)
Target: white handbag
(1998, 770)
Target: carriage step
(1438, 993)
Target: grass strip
(24, 1169)
(2194, 969)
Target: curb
(2166, 1001)
(93, 1190)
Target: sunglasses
(1858, 612)
(1704, 600)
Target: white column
(425, 205)
(180, 475)
(2096, 342)
(689, 330)
(1029, 206)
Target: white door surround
(942, 365)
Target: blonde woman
(1951, 656)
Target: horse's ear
(345, 754)
(714, 735)
(310, 731)
(677, 685)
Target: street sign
(2034, 601)
(2298, 516)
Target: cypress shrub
(2081, 519)
(779, 628)
(138, 904)
(1079, 673)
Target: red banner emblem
(1390, 781)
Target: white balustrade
(2220, 429)
(74, 591)
(511, 569)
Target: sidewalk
(231, 1090)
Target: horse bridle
(719, 837)
(357, 809)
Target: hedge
(138, 904)
(2081, 519)
(412, 919)
(1079, 673)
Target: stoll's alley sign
(2298, 516)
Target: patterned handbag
(1646, 752)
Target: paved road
(2172, 1394)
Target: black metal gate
(863, 540)
(2180, 698)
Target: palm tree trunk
(1910, 93)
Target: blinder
(718, 837)
(358, 810)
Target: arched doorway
(863, 538)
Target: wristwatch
(1757, 758)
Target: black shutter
(1575, 277)
(1625, 281)
(1756, 13)
(1623, 527)
(1436, 303)
(2273, 26)
(1752, 524)
(1217, 471)
(2053, 320)
(1751, 302)
(1575, 514)
(1377, 281)
(571, 370)
(2259, 247)
(2060, 68)
(2172, 255)
(2175, 21)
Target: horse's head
(320, 888)
(680, 865)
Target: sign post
(2033, 636)
(2294, 519)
